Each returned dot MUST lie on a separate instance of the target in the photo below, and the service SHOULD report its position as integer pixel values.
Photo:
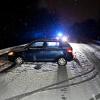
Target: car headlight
(11, 53)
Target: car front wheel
(18, 60)
(62, 61)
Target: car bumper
(70, 57)
(11, 58)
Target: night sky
(18, 17)
(72, 11)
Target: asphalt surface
(78, 80)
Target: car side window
(37, 45)
(52, 44)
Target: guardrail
(96, 42)
(6, 50)
(5, 64)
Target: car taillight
(69, 50)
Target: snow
(96, 50)
(27, 83)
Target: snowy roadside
(26, 83)
(95, 49)
(97, 42)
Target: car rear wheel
(19, 60)
(61, 61)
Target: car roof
(49, 40)
(45, 40)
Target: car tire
(19, 60)
(61, 61)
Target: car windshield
(49, 49)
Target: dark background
(24, 20)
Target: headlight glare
(11, 53)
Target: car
(42, 50)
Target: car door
(52, 51)
(34, 51)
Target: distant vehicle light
(64, 39)
(11, 53)
(57, 38)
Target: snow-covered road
(79, 80)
